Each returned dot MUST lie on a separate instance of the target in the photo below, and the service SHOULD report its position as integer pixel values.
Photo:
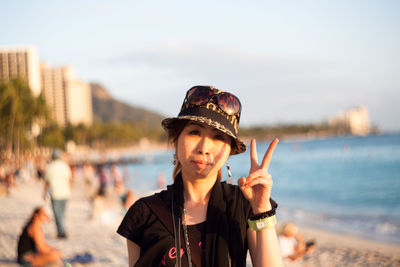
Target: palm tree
(19, 110)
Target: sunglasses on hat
(227, 102)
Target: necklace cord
(186, 237)
(177, 235)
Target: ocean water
(349, 185)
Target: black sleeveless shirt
(25, 244)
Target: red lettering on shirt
(163, 261)
(172, 253)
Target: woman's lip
(201, 162)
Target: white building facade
(68, 98)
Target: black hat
(210, 113)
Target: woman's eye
(219, 137)
(194, 132)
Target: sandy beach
(98, 237)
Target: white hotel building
(68, 98)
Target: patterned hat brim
(239, 145)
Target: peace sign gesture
(257, 186)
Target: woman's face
(202, 150)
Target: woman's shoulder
(134, 221)
(35, 231)
(33, 228)
(142, 216)
(141, 206)
(163, 195)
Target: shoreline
(99, 237)
(82, 153)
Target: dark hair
(30, 220)
(174, 132)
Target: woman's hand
(257, 186)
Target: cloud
(221, 61)
(272, 87)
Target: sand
(98, 237)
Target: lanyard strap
(177, 235)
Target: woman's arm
(38, 236)
(263, 244)
(133, 252)
(264, 247)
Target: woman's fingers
(257, 173)
(268, 154)
(247, 191)
(242, 181)
(253, 154)
(248, 181)
(260, 180)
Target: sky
(288, 61)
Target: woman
(199, 221)
(32, 247)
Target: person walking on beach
(58, 182)
(33, 249)
(199, 220)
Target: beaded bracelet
(266, 214)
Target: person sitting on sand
(292, 244)
(32, 247)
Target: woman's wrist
(257, 210)
(261, 224)
(267, 210)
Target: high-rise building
(79, 103)
(21, 62)
(69, 99)
(354, 120)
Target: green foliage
(122, 126)
(19, 110)
(52, 136)
(280, 130)
(100, 135)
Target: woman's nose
(204, 146)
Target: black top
(196, 239)
(225, 230)
(25, 244)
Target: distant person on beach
(292, 244)
(103, 180)
(32, 247)
(90, 181)
(117, 179)
(58, 182)
(99, 198)
(126, 196)
(161, 181)
(199, 220)
(8, 173)
(40, 167)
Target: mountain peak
(107, 109)
(99, 91)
